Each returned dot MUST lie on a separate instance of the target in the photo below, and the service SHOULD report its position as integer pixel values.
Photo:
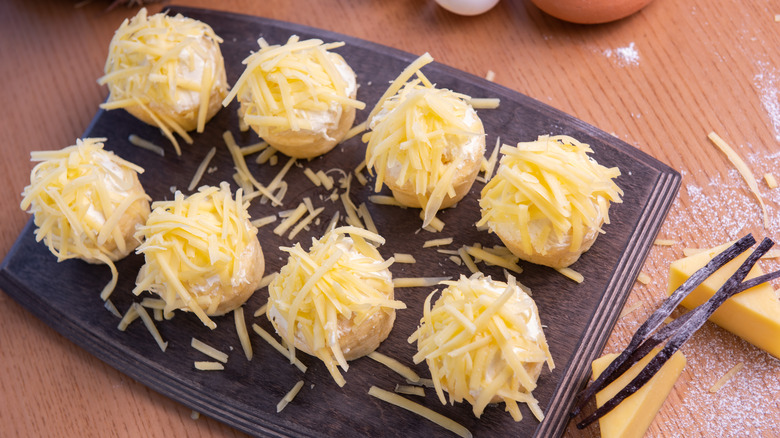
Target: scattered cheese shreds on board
(571, 274)
(418, 409)
(265, 281)
(491, 258)
(428, 383)
(277, 346)
(130, 316)
(261, 310)
(201, 169)
(208, 350)
(410, 390)
(291, 220)
(643, 278)
(437, 242)
(243, 334)
(418, 281)
(263, 221)
(395, 365)
(208, 366)
(467, 260)
(665, 242)
(402, 258)
(150, 326)
(146, 144)
(484, 102)
(112, 308)
(490, 75)
(385, 200)
(726, 377)
(195, 415)
(743, 169)
(289, 396)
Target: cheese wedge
(633, 416)
(753, 315)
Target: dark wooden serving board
(578, 317)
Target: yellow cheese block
(633, 416)
(753, 315)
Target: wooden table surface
(660, 80)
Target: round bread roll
(166, 71)
(426, 144)
(298, 97)
(473, 364)
(201, 253)
(548, 200)
(86, 203)
(336, 301)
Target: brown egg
(590, 11)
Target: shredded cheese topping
(484, 343)
(549, 190)
(293, 87)
(199, 251)
(341, 280)
(86, 202)
(168, 71)
(421, 138)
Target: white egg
(467, 7)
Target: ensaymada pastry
(299, 97)
(201, 253)
(425, 143)
(335, 301)
(483, 343)
(548, 200)
(86, 203)
(166, 71)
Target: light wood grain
(702, 66)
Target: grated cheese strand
(418, 281)
(288, 398)
(208, 350)
(743, 169)
(208, 366)
(243, 334)
(146, 144)
(395, 365)
(201, 169)
(149, 324)
(420, 410)
(278, 347)
(410, 390)
(726, 377)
